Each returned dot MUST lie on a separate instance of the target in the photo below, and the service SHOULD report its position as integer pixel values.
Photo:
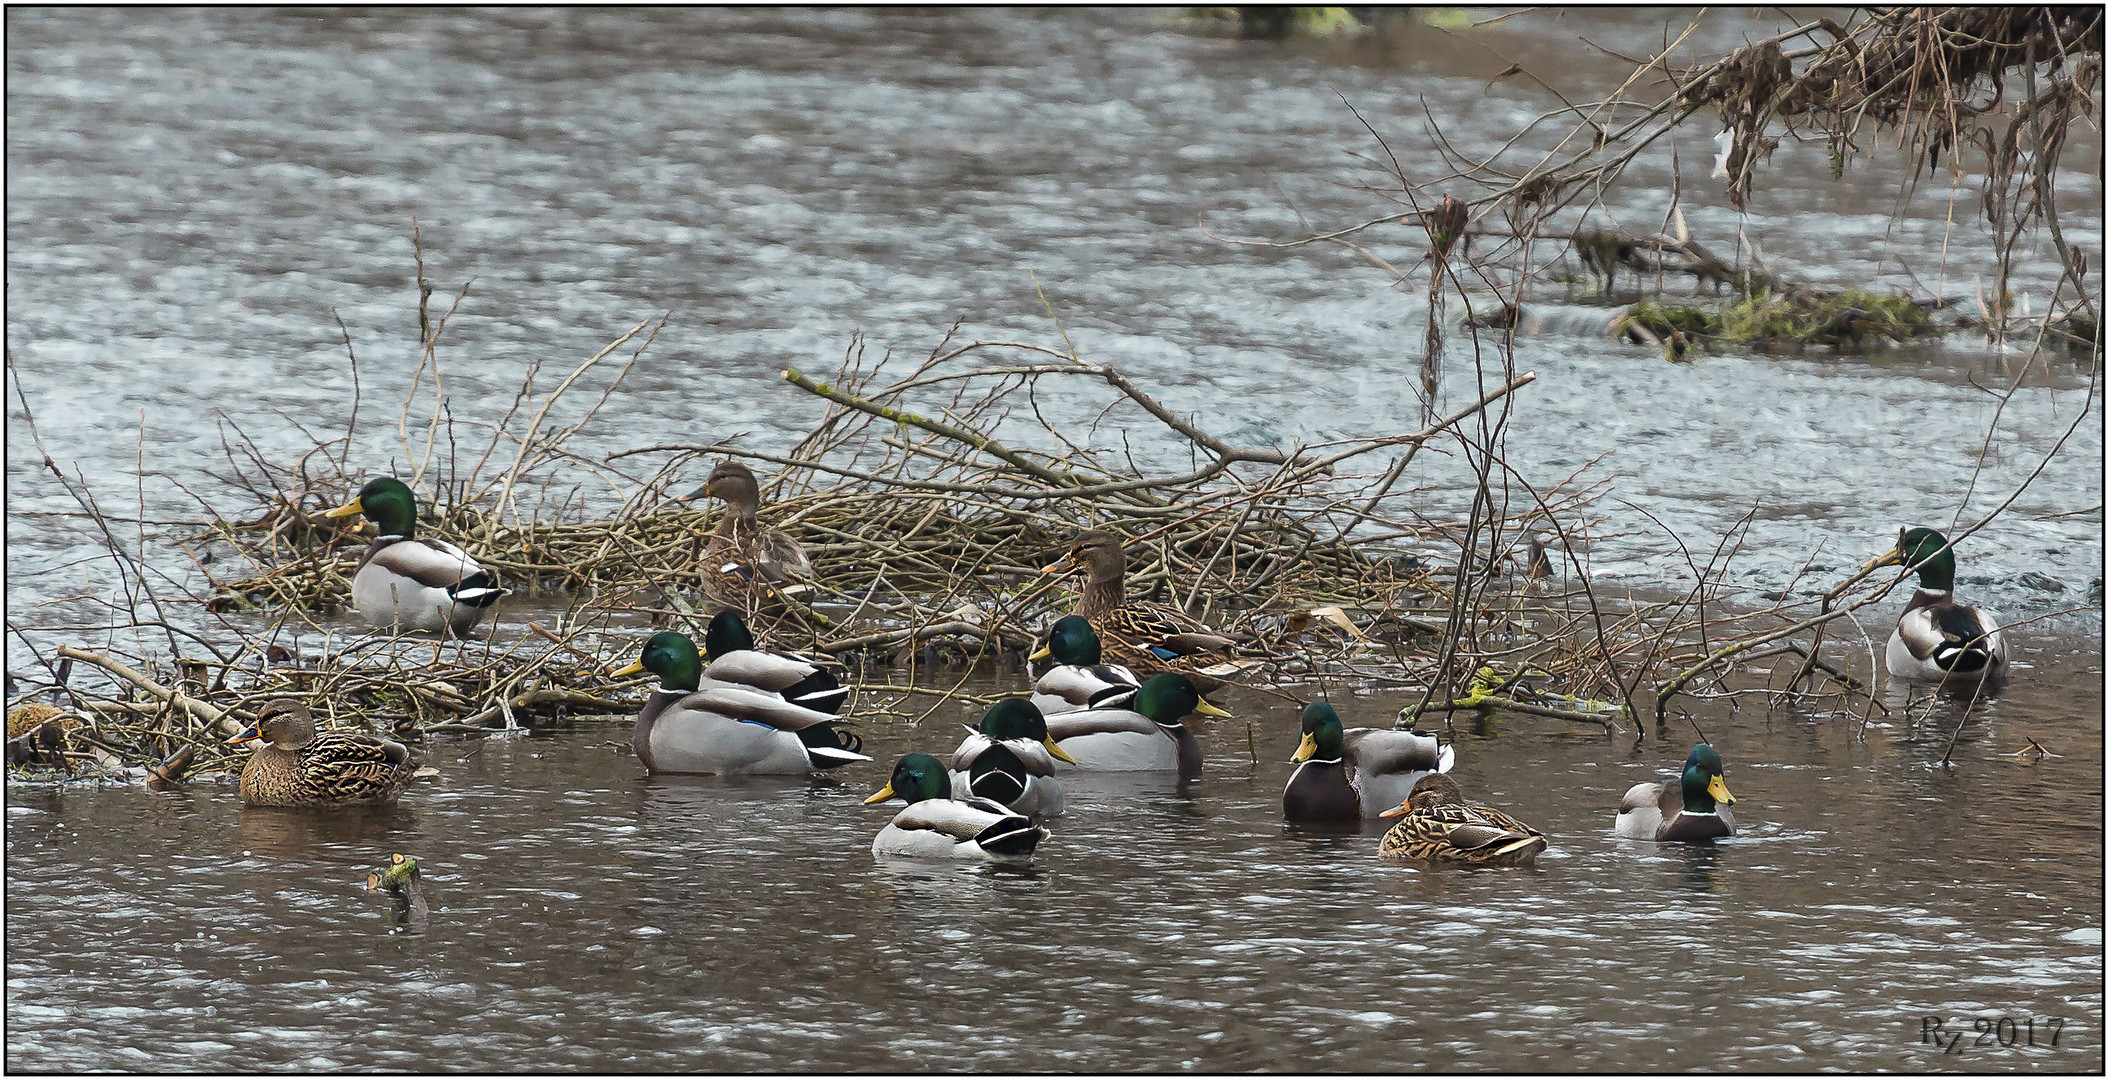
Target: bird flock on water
(1122, 677)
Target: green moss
(1755, 319)
(1323, 21)
(1269, 23)
(1852, 319)
(1661, 319)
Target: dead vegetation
(929, 494)
(1991, 95)
(928, 522)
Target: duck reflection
(294, 832)
(1327, 834)
(1701, 865)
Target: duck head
(1704, 786)
(726, 633)
(385, 501)
(670, 655)
(1168, 697)
(1323, 739)
(1434, 789)
(281, 725)
(734, 483)
(1926, 552)
(1070, 641)
(916, 777)
(1098, 549)
(1019, 718)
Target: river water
(192, 194)
(587, 917)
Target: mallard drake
(1937, 639)
(1010, 760)
(1438, 825)
(1139, 731)
(411, 582)
(940, 827)
(1693, 809)
(1354, 774)
(745, 566)
(1078, 678)
(799, 679)
(298, 765)
(695, 722)
(1148, 638)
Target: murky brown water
(587, 917)
(191, 193)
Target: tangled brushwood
(928, 534)
(928, 496)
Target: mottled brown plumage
(31, 716)
(1439, 826)
(300, 766)
(745, 567)
(1146, 638)
(37, 734)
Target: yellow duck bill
(1305, 749)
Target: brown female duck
(1438, 825)
(1147, 638)
(300, 766)
(746, 567)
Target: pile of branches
(182, 711)
(920, 520)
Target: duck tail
(479, 589)
(1013, 836)
(820, 692)
(830, 748)
(1962, 657)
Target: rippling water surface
(587, 917)
(191, 195)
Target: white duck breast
(1019, 773)
(724, 729)
(422, 584)
(1069, 687)
(1383, 764)
(1938, 640)
(975, 829)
